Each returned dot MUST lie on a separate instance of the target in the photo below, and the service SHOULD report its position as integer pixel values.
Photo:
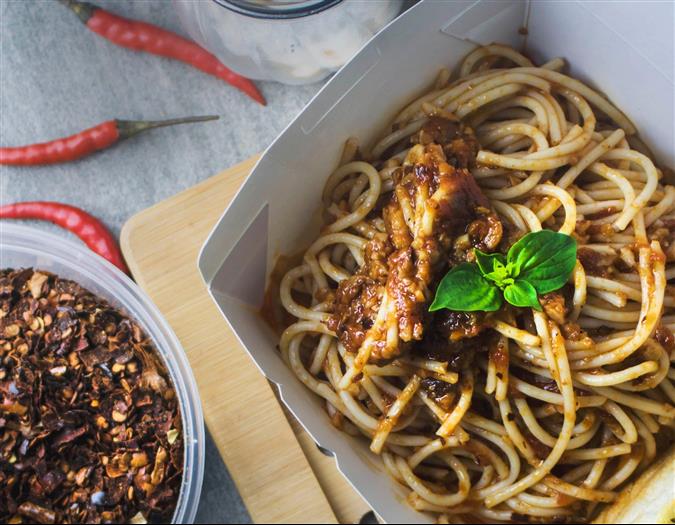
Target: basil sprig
(539, 263)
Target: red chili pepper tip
(141, 36)
(87, 227)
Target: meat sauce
(596, 263)
(665, 338)
(357, 299)
(553, 304)
(441, 392)
(455, 338)
(405, 264)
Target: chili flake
(90, 426)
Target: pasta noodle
(517, 414)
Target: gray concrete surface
(57, 78)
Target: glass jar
(290, 41)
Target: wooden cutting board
(279, 471)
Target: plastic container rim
(123, 292)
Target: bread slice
(649, 499)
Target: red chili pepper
(141, 36)
(85, 226)
(86, 142)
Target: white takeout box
(623, 48)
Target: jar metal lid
(277, 9)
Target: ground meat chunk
(596, 263)
(601, 232)
(376, 254)
(454, 326)
(573, 332)
(358, 298)
(665, 338)
(455, 338)
(485, 233)
(435, 201)
(664, 232)
(462, 151)
(407, 294)
(438, 130)
(459, 199)
(554, 306)
(397, 229)
(441, 392)
(354, 310)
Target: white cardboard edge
(636, 73)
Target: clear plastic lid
(23, 247)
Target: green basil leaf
(487, 262)
(545, 259)
(464, 289)
(521, 293)
(494, 267)
(500, 278)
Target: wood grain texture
(280, 473)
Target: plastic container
(21, 247)
(290, 41)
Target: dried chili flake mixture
(90, 427)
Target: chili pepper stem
(129, 128)
(83, 10)
(85, 142)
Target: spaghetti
(519, 414)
